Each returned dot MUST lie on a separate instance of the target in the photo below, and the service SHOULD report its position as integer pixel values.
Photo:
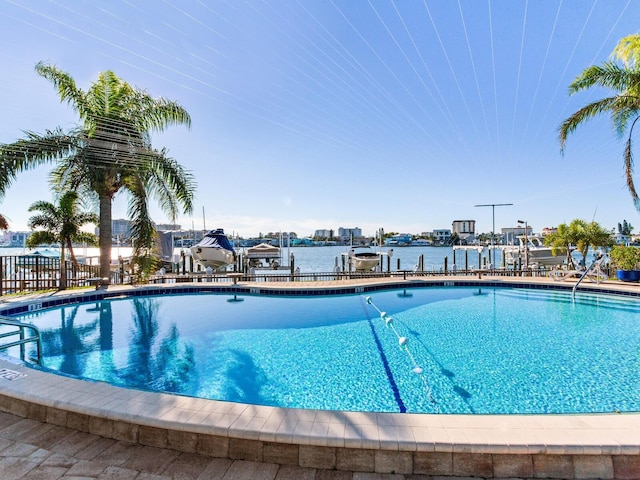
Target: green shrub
(625, 258)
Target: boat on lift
(264, 256)
(363, 258)
(533, 251)
(214, 250)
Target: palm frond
(582, 115)
(40, 237)
(628, 172)
(66, 86)
(608, 75)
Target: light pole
(526, 243)
(493, 224)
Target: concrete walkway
(30, 450)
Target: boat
(533, 251)
(263, 256)
(214, 250)
(363, 258)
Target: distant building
(466, 229)
(442, 235)
(168, 227)
(120, 228)
(399, 239)
(15, 239)
(323, 233)
(346, 234)
(510, 234)
(548, 230)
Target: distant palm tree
(4, 224)
(624, 106)
(61, 224)
(109, 153)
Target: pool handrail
(22, 326)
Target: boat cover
(216, 239)
(264, 250)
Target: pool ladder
(404, 344)
(23, 340)
(596, 263)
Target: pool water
(480, 350)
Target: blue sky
(310, 115)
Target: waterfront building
(400, 239)
(346, 234)
(442, 235)
(466, 230)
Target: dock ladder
(21, 327)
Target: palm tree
(562, 239)
(581, 234)
(623, 79)
(110, 152)
(62, 225)
(4, 223)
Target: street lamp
(526, 243)
(493, 227)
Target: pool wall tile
(592, 466)
(472, 465)
(280, 453)
(512, 466)
(626, 467)
(243, 449)
(213, 445)
(182, 441)
(78, 421)
(56, 416)
(318, 457)
(126, 431)
(552, 466)
(355, 460)
(433, 463)
(393, 462)
(102, 427)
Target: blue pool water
(481, 350)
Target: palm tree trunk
(63, 268)
(104, 239)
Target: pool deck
(420, 445)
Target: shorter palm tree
(4, 224)
(581, 235)
(61, 224)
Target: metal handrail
(35, 337)
(595, 263)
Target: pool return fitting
(404, 344)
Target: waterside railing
(31, 273)
(20, 275)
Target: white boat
(214, 250)
(532, 251)
(263, 256)
(364, 258)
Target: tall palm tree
(623, 79)
(110, 152)
(61, 224)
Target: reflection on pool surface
(488, 350)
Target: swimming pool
(481, 350)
